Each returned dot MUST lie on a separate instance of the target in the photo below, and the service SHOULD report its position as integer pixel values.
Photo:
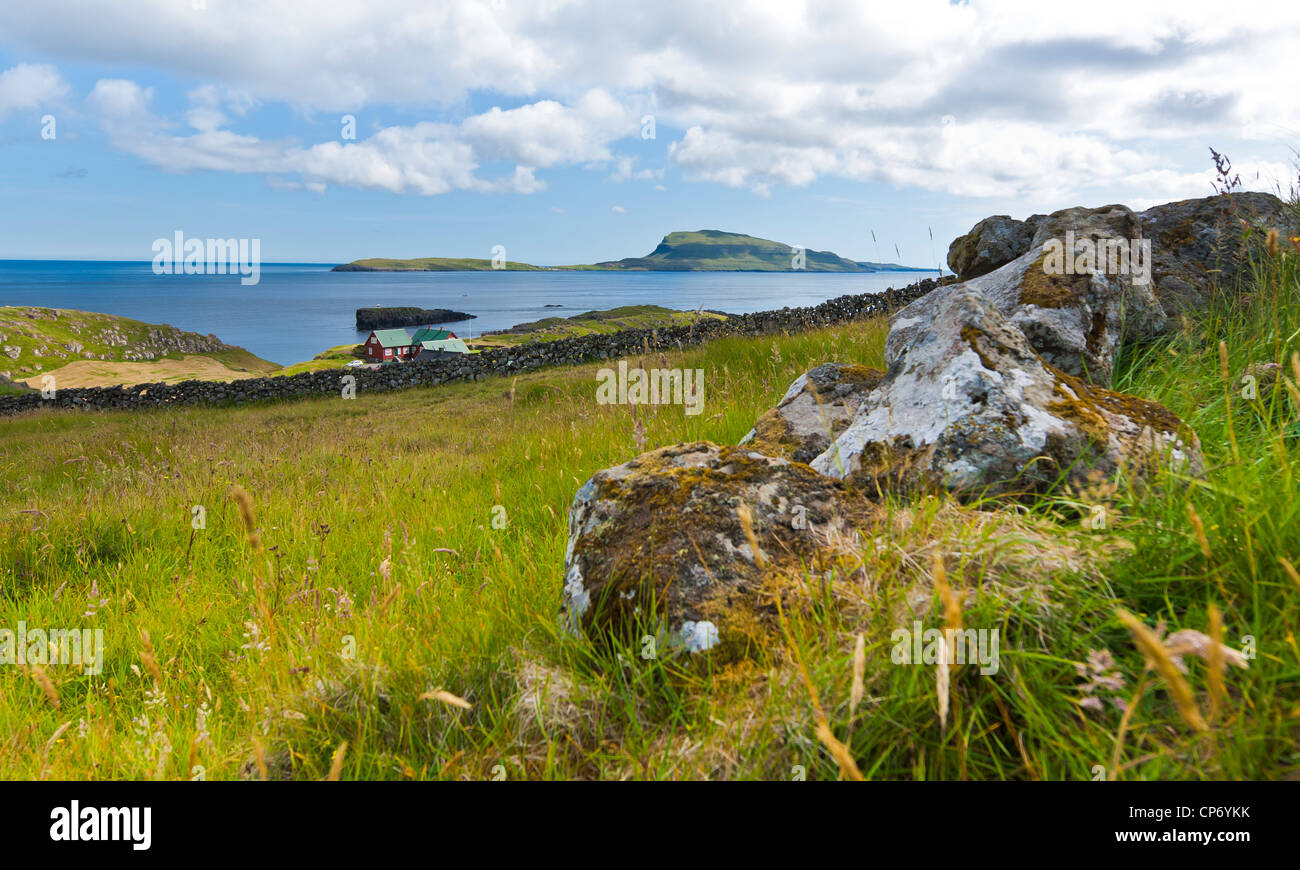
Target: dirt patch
(97, 373)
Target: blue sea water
(299, 309)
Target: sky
(572, 131)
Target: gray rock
(1197, 242)
(969, 406)
(1076, 322)
(815, 409)
(657, 545)
(1194, 242)
(991, 243)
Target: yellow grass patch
(100, 373)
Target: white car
(354, 363)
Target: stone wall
(499, 361)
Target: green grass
(363, 611)
(592, 322)
(330, 358)
(13, 389)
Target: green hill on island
(717, 251)
(698, 251)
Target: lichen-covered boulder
(1075, 316)
(1199, 242)
(1195, 243)
(991, 243)
(658, 546)
(816, 408)
(968, 406)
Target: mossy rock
(969, 407)
(660, 546)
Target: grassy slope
(43, 350)
(590, 322)
(357, 501)
(330, 358)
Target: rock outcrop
(970, 407)
(1194, 242)
(991, 243)
(818, 406)
(1199, 242)
(659, 546)
(1075, 319)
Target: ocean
(300, 309)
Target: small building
(436, 349)
(398, 345)
(389, 345)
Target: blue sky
(491, 122)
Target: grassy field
(330, 358)
(88, 349)
(379, 624)
(589, 323)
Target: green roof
(393, 337)
(429, 333)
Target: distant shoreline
(679, 251)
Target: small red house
(397, 345)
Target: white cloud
(618, 209)
(122, 103)
(991, 99)
(425, 158)
(547, 133)
(30, 86)
(625, 170)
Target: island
(693, 251)
(386, 317)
